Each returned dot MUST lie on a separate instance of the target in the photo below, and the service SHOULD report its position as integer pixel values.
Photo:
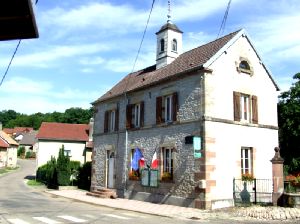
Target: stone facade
(205, 109)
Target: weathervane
(169, 11)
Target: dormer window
(244, 66)
(162, 45)
(174, 45)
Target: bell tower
(169, 42)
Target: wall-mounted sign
(149, 178)
(197, 147)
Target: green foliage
(41, 173)
(84, 176)
(21, 151)
(28, 155)
(289, 124)
(51, 174)
(34, 183)
(11, 119)
(63, 168)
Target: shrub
(84, 176)
(63, 168)
(21, 151)
(28, 155)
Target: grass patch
(7, 169)
(34, 183)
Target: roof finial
(169, 11)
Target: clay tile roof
(22, 129)
(7, 138)
(9, 131)
(3, 144)
(188, 61)
(62, 131)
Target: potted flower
(166, 176)
(247, 177)
(134, 175)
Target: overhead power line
(11, 59)
(143, 36)
(223, 24)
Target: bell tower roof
(169, 26)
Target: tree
(289, 122)
(63, 168)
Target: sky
(86, 46)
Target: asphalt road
(20, 204)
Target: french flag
(154, 163)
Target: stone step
(103, 193)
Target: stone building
(210, 114)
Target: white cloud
(31, 96)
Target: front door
(111, 170)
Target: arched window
(162, 45)
(174, 45)
(244, 65)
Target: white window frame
(167, 160)
(245, 108)
(168, 108)
(67, 152)
(112, 120)
(174, 45)
(246, 160)
(136, 115)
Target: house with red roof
(207, 115)
(75, 138)
(8, 150)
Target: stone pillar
(277, 173)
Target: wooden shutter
(237, 106)
(254, 109)
(174, 106)
(117, 119)
(142, 114)
(158, 110)
(106, 114)
(128, 116)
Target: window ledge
(247, 71)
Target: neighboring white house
(221, 93)
(52, 136)
(8, 151)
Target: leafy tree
(289, 124)
(7, 115)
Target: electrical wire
(12, 58)
(143, 36)
(222, 28)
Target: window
(244, 66)
(246, 160)
(174, 45)
(166, 108)
(135, 115)
(67, 153)
(111, 120)
(245, 107)
(112, 117)
(245, 110)
(167, 167)
(162, 45)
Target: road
(20, 204)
